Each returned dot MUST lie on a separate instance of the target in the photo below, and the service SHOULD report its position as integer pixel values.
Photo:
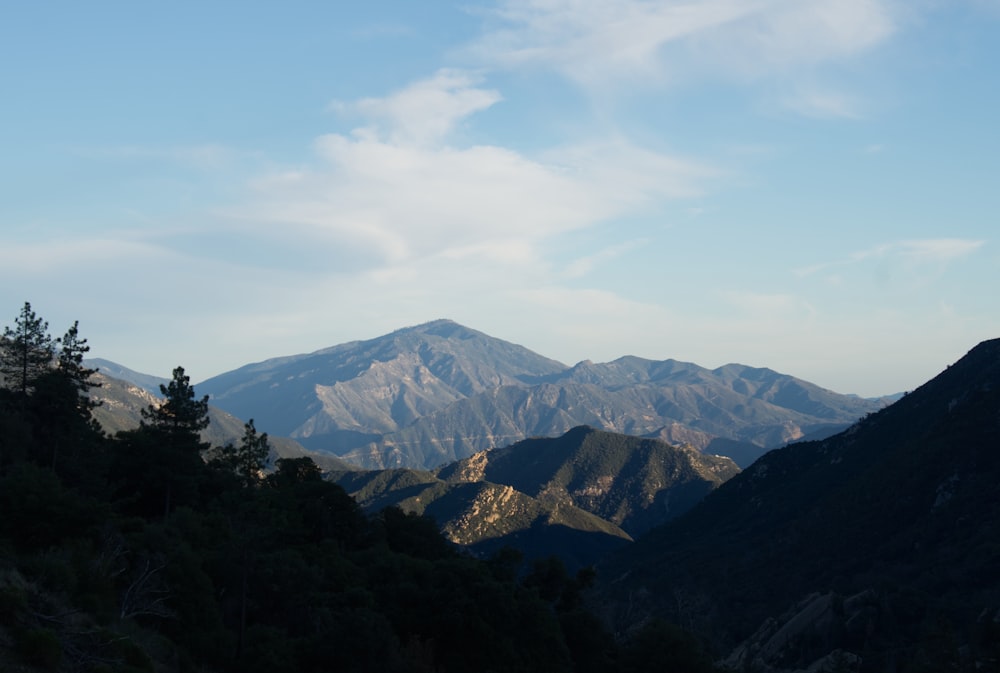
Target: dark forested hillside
(879, 542)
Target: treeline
(152, 551)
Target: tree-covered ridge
(881, 542)
(149, 550)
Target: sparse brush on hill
(579, 495)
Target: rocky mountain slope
(147, 382)
(122, 403)
(876, 548)
(577, 496)
(428, 395)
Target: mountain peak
(427, 394)
(444, 327)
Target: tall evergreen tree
(65, 426)
(181, 415)
(26, 351)
(169, 436)
(72, 349)
(249, 459)
(47, 387)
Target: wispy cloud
(937, 250)
(781, 305)
(426, 111)
(584, 265)
(824, 104)
(915, 252)
(399, 187)
(599, 42)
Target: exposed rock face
(808, 632)
(428, 395)
(472, 468)
(578, 495)
(634, 483)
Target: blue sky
(806, 185)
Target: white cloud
(618, 166)
(388, 219)
(598, 42)
(397, 190)
(401, 201)
(424, 112)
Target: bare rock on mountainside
(633, 482)
(579, 495)
(428, 395)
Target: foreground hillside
(151, 551)
(877, 546)
(428, 395)
(577, 496)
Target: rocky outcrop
(809, 632)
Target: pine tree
(26, 351)
(65, 427)
(180, 415)
(72, 349)
(173, 440)
(249, 459)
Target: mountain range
(871, 549)
(425, 396)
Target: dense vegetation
(882, 541)
(151, 551)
